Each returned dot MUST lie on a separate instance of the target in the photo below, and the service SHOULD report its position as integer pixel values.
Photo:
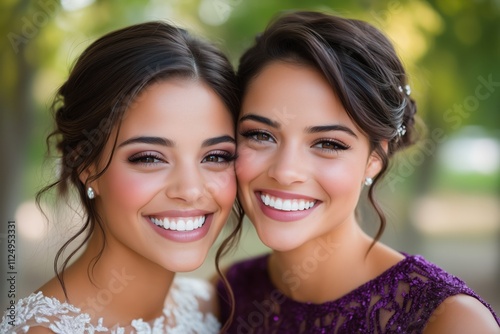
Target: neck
(325, 268)
(121, 286)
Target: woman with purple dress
(326, 105)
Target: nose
(288, 165)
(185, 183)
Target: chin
(281, 246)
(183, 268)
(277, 242)
(184, 262)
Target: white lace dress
(183, 313)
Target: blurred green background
(442, 197)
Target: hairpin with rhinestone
(401, 130)
(406, 89)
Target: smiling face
(170, 185)
(301, 159)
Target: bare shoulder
(461, 314)
(53, 289)
(382, 258)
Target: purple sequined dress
(400, 300)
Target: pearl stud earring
(90, 193)
(368, 181)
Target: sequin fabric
(400, 300)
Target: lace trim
(182, 314)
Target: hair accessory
(90, 193)
(406, 90)
(368, 181)
(401, 130)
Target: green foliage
(470, 183)
(447, 46)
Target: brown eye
(258, 136)
(330, 145)
(219, 157)
(213, 158)
(262, 136)
(146, 159)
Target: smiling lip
(285, 207)
(181, 226)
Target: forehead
(289, 91)
(177, 104)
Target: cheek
(222, 188)
(127, 189)
(342, 180)
(249, 164)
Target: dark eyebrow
(217, 140)
(148, 140)
(260, 119)
(169, 143)
(325, 128)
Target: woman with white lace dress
(145, 131)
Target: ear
(374, 164)
(84, 177)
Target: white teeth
(179, 224)
(286, 204)
(266, 199)
(278, 204)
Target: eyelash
(250, 134)
(142, 157)
(338, 145)
(226, 156)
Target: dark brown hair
(360, 64)
(104, 81)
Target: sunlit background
(442, 197)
